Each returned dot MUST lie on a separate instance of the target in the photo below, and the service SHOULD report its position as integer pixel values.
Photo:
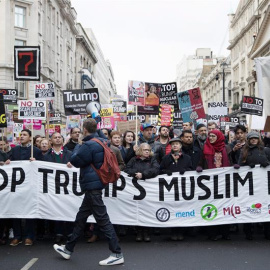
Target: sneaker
(15, 242)
(113, 259)
(62, 251)
(28, 242)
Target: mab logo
(232, 211)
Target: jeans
(93, 205)
(29, 228)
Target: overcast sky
(145, 39)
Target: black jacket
(256, 155)
(70, 145)
(24, 153)
(148, 167)
(194, 153)
(168, 164)
(50, 157)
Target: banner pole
(47, 119)
(32, 139)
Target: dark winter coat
(50, 156)
(24, 153)
(256, 155)
(70, 145)
(234, 155)
(149, 167)
(194, 153)
(90, 152)
(169, 165)
(3, 156)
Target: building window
(19, 42)
(21, 89)
(20, 16)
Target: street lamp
(223, 65)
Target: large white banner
(219, 196)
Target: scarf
(217, 147)
(58, 153)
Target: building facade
(69, 58)
(249, 38)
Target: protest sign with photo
(191, 105)
(45, 91)
(252, 105)
(26, 63)
(107, 118)
(17, 128)
(165, 116)
(136, 93)
(75, 101)
(152, 94)
(32, 109)
(73, 121)
(168, 95)
(10, 95)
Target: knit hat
(200, 126)
(253, 134)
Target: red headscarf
(218, 146)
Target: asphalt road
(194, 253)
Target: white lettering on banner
(218, 196)
(81, 97)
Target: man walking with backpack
(90, 157)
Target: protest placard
(252, 105)
(10, 95)
(32, 109)
(75, 101)
(191, 105)
(44, 91)
(136, 92)
(168, 95)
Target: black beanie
(200, 126)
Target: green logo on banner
(209, 212)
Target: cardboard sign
(252, 105)
(32, 109)
(191, 105)
(27, 63)
(129, 125)
(75, 101)
(44, 91)
(10, 95)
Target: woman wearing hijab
(216, 156)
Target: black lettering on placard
(228, 185)
(191, 191)
(5, 182)
(204, 187)
(75, 185)
(142, 194)
(58, 183)
(45, 178)
(164, 184)
(116, 187)
(15, 183)
(216, 195)
(237, 178)
(268, 178)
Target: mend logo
(232, 211)
(255, 209)
(185, 214)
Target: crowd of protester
(162, 151)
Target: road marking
(29, 264)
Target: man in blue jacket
(85, 155)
